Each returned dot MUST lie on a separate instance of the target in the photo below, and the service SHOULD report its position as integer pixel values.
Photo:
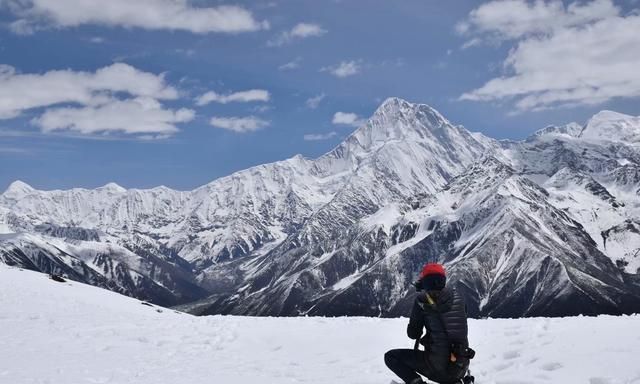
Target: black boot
(468, 379)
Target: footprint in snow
(98, 380)
(552, 366)
(503, 366)
(511, 354)
(599, 380)
(103, 348)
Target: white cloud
(345, 118)
(115, 99)
(589, 53)
(512, 19)
(241, 97)
(314, 102)
(303, 30)
(298, 32)
(187, 52)
(344, 69)
(239, 124)
(137, 116)
(476, 41)
(293, 64)
(319, 136)
(146, 14)
(261, 108)
(20, 92)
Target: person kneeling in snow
(442, 311)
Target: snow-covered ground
(72, 333)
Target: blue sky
(94, 95)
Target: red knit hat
(432, 269)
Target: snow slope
(73, 333)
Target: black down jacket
(445, 319)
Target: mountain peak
(401, 127)
(607, 115)
(18, 188)
(113, 187)
(391, 102)
(397, 107)
(572, 129)
(395, 119)
(489, 165)
(612, 126)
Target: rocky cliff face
(546, 226)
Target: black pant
(407, 363)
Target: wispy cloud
(343, 69)
(186, 52)
(68, 134)
(582, 53)
(293, 64)
(314, 102)
(261, 108)
(319, 136)
(397, 62)
(239, 124)
(18, 133)
(148, 14)
(298, 32)
(346, 118)
(241, 97)
(14, 150)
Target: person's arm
(416, 322)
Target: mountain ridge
(346, 232)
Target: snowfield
(67, 333)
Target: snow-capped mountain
(546, 226)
